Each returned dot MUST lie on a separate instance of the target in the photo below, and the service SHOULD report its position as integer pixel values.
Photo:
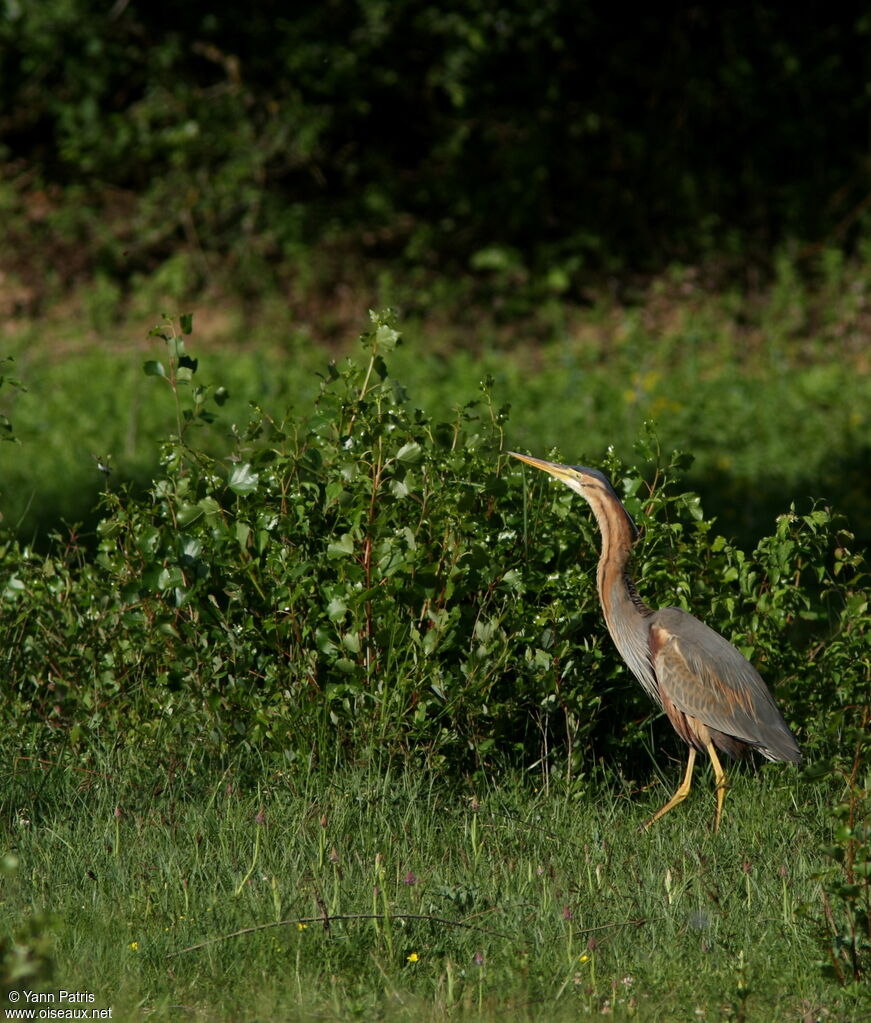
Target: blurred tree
(455, 131)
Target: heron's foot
(682, 792)
(678, 797)
(722, 789)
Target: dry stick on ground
(333, 919)
(380, 916)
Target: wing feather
(707, 678)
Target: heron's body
(714, 698)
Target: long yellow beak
(562, 472)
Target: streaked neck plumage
(626, 614)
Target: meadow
(310, 709)
(388, 893)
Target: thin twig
(333, 919)
(54, 763)
(637, 922)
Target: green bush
(363, 579)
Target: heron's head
(593, 485)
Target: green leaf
(153, 368)
(170, 577)
(148, 540)
(351, 641)
(188, 513)
(175, 345)
(242, 479)
(386, 338)
(210, 507)
(190, 547)
(410, 453)
(344, 545)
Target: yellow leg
(684, 788)
(719, 779)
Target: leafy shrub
(255, 133)
(366, 580)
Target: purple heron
(714, 698)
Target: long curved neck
(620, 599)
(625, 612)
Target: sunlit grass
(367, 894)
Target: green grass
(201, 901)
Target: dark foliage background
(552, 135)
